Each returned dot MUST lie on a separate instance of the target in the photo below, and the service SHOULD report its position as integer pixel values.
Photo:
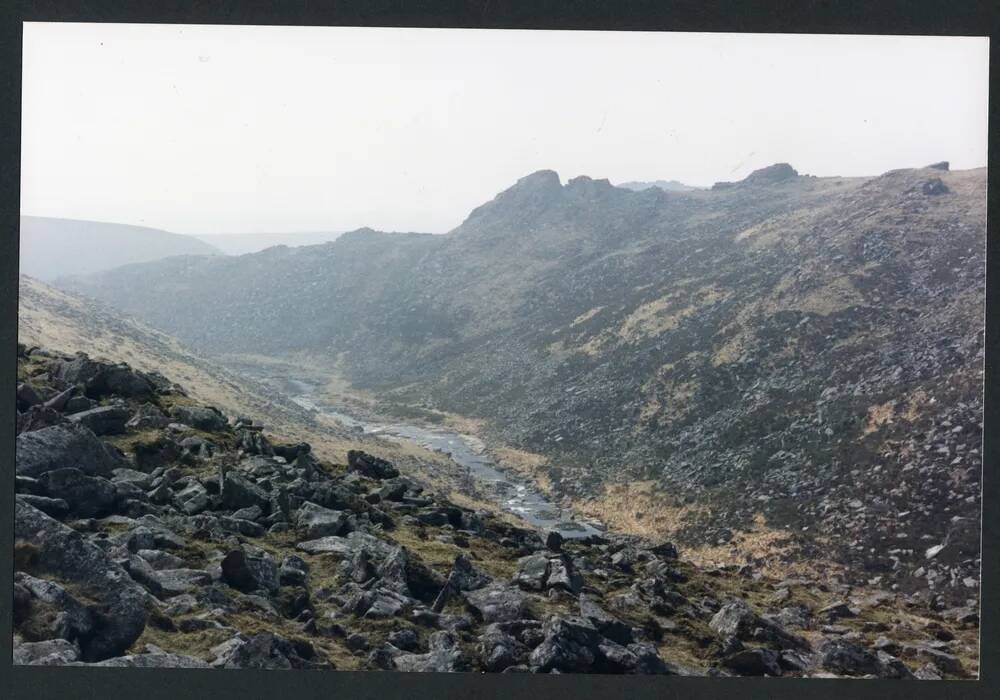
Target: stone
(64, 445)
(265, 651)
(444, 656)
(52, 652)
(204, 418)
(103, 420)
(754, 662)
(496, 603)
(569, 645)
(120, 608)
(532, 572)
(250, 569)
(848, 658)
(86, 496)
(370, 466)
(315, 521)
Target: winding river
(512, 493)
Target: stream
(514, 494)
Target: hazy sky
(200, 129)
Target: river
(513, 493)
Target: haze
(200, 130)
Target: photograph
(491, 351)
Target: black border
(958, 17)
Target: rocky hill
(154, 531)
(51, 247)
(803, 352)
(665, 185)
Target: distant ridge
(243, 243)
(666, 185)
(52, 248)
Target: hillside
(182, 537)
(51, 248)
(803, 352)
(67, 323)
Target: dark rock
(86, 496)
(315, 521)
(553, 541)
(934, 187)
(266, 651)
(754, 662)
(27, 397)
(848, 658)
(444, 656)
(103, 420)
(204, 418)
(64, 445)
(146, 417)
(370, 466)
(249, 569)
(55, 507)
(608, 625)
(405, 639)
(532, 572)
(496, 603)
(570, 645)
(120, 613)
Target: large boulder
(200, 417)
(64, 445)
(737, 620)
(570, 645)
(444, 656)
(315, 521)
(87, 496)
(370, 466)
(496, 603)
(103, 420)
(119, 606)
(52, 652)
(266, 651)
(102, 379)
(848, 658)
(250, 569)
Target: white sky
(200, 129)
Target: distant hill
(52, 248)
(665, 185)
(243, 243)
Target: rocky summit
(154, 531)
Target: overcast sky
(199, 129)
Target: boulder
(370, 466)
(737, 619)
(103, 420)
(496, 603)
(146, 417)
(848, 658)
(315, 521)
(205, 418)
(250, 569)
(86, 496)
(265, 651)
(102, 379)
(753, 662)
(52, 652)
(64, 445)
(570, 645)
(444, 656)
(120, 604)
